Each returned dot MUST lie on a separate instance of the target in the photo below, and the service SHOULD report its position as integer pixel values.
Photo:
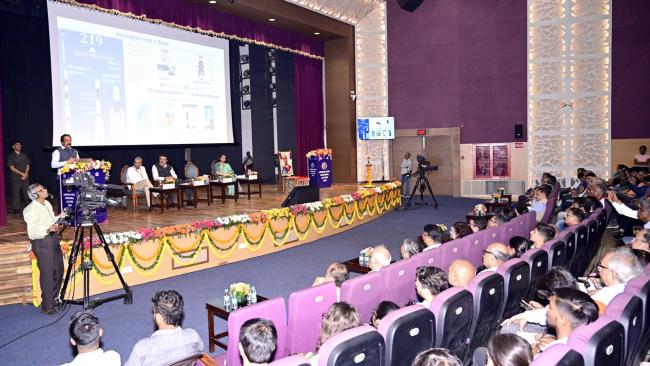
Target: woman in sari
(221, 169)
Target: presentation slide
(376, 128)
(120, 81)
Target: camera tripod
(422, 183)
(88, 221)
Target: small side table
(221, 187)
(163, 197)
(247, 183)
(216, 308)
(195, 192)
(354, 266)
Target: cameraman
(42, 229)
(405, 171)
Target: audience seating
(453, 310)
(537, 259)
(556, 250)
(364, 292)
(627, 309)
(487, 292)
(520, 225)
(531, 221)
(455, 249)
(516, 276)
(600, 342)
(397, 282)
(640, 287)
(593, 244)
(478, 242)
(559, 355)
(360, 346)
(295, 360)
(569, 238)
(431, 257)
(407, 332)
(273, 309)
(305, 314)
(582, 241)
(495, 234)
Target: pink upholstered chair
(453, 310)
(516, 276)
(560, 355)
(306, 309)
(487, 292)
(556, 250)
(397, 282)
(407, 332)
(452, 250)
(360, 346)
(627, 309)
(364, 292)
(295, 360)
(600, 342)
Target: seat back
(364, 292)
(487, 292)
(452, 250)
(537, 259)
(559, 355)
(593, 243)
(453, 310)
(602, 218)
(582, 240)
(272, 309)
(516, 277)
(397, 282)
(548, 211)
(477, 242)
(627, 309)
(640, 287)
(519, 224)
(531, 221)
(295, 360)
(510, 229)
(407, 332)
(191, 170)
(431, 257)
(125, 167)
(360, 346)
(569, 239)
(213, 167)
(600, 342)
(494, 234)
(306, 308)
(187, 361)
(556, 250)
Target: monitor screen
(376, 128)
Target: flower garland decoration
(86, 166)
(319, 153)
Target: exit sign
(421, 132)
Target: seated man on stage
(42, 231)
(137, 175)
(162, 170)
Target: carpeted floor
(273, 275)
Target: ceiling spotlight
(316, 33)
(212, 1)
(271, 19)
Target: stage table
(221, 186)
(163, 197)
(354, 266)
(195, 192)
(247, 182)
(216, 308)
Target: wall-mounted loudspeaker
(409, 5)
(519, 131)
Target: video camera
(90, 197)
(424, 167)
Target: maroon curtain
(3, 201)
(308, 80)
(194, 15)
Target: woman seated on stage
(221, 169)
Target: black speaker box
(409, 5)
(300, 195)
(519, 131)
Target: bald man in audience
(379, 258)
(460, 272)
(494, 256)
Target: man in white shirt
(137, 175)
(404, 170)
(85, 334)
(615, 269)
(642, 214)
(64, 154)
(379, 258)
(429, 282)
(494, 255)
(42, 231)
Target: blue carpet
(275, 274)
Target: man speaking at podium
(64, 153)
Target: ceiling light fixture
(316, 33)
(271, 19)
(212, 1)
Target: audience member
(508, 213)
(642, 240)
(541, 234)
(137, 176)
(379, 258)
(504, 350)
(641, 159)
(460, 229)
(494, 255)
(640, 216)
(460, 272)
(340, 317)
(410, 248)
(497, 220)
(436, 357)
(170, 342)
(574, 216)
(518, 245)
(615, 269)
(257, 341)
(335, 272)
(429, 282)
(542, 194)
(589, 204)
(643, 256)
(384, 308)
(598, 190)
(434, 237)
(477, 223)
(85, 334)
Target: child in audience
(384, 308)
(429, 282)
(341, 316)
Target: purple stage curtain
(3, 202)
(308, 80)
(195, 15)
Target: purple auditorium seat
(510, 228)
(640, 287)
(295, 360)
(537, 259)
(430, 258)
(452, 250)
(582, 242)
(487, 292)
(627, 309)
(272, 309)
(519, 225)
(531, 221)
(593, 243)
(453, 310)
(556, 250)
(494, 234)
(548, 211)
(477, 242)
(647, 269)
(569, 238)
(364, 292)
(407, 332)
(306, 309)
(397, 282)
(516, 279)
(559, 355)
(360, 346)
(600, 342)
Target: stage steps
(15, 274)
